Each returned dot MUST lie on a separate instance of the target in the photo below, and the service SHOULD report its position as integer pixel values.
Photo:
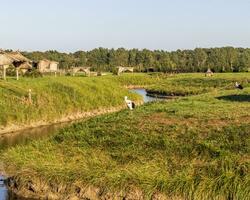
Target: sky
(72, 25)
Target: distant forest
(226, 59)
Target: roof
(25, 65)
(48, 61)
(4, 59)
(17, 57)
(10, 57)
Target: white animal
(130, 104)
(238, 86)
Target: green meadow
(194, 147)
(54, 98)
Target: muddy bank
(39, 189)
(135, 87)
(11, 129)
(162, 95)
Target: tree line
(225, 59)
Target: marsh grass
(53, 98)
(184, 86)
(193, 148)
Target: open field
(185, 84)
(194, 147)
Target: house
(45, 66)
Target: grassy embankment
(55, 98)
(194, 147)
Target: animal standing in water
(238, 86)
(130, 104)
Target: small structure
(86, 70)
(121, 69)
(46, 66)
(209, 73)
(16, 59)
(5, 62)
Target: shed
(86, 70)
(44, 66)
(16, 59)
(121, 69)
(209, 73)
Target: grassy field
(53, 98)
(195, 147)
(185, 84)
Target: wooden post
(17, 74)
(1, 67)
(30, 98)
(4, 72)
(55, 74)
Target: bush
(34, 73)
(11, 71)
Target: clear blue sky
(71, 25)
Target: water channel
(25, 136)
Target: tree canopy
(225, 59)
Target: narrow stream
(25, 136)
(146, 98)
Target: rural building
(121, 69)
(209, 73)
(44, 66)
(86, 70)
(16, 59)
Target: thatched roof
(8, 58)
(5, 60)
(18, 57)
(25, 65)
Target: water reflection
(146, 98)
(23, 137)
(3, 189)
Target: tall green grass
(53, 98)
(193, 148)
(184, 85)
